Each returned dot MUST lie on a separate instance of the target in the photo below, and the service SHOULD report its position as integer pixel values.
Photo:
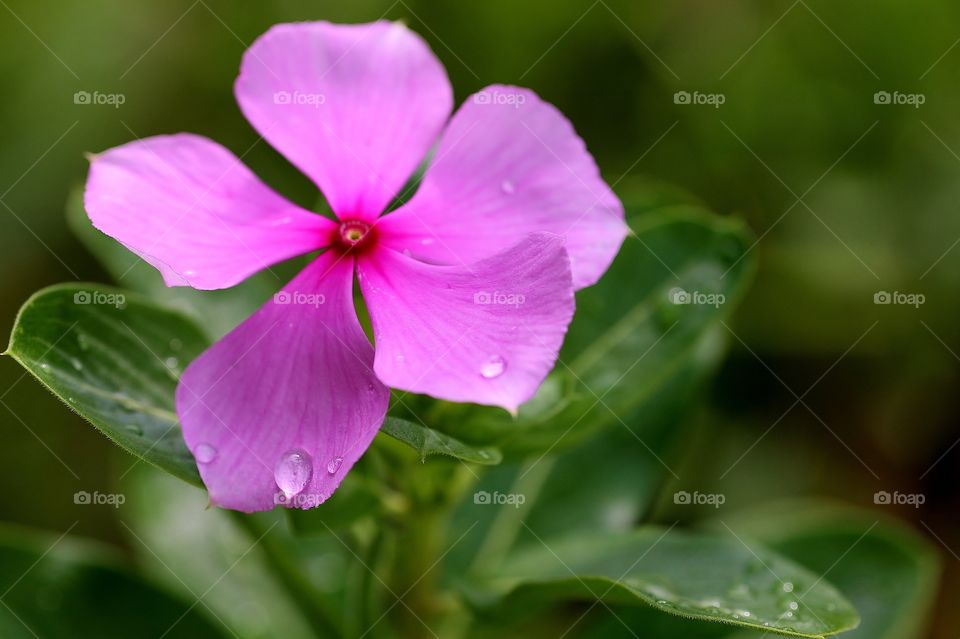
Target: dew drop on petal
(334, 465)
(507, 187)
(427, 241)
(204, 453)
(493, 367)
(293, 472)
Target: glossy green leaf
(65, 588)
(713, 577)
(427, 442)
(888, 571)
(114, 357)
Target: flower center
(355, 234)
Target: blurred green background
(825, 392)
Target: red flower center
(355, 235)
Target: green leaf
(116, 364)
(704, 576)
(66, 588)
(629, 340)
(427, 441)
(888, 571)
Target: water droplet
(77, 365)
(427, 241)
(134, 429)
(205, 453)
(293, 472)
(788, 586)
(493, 367)
(334, 465)
(793, 605)
(507, 187)
(45, 367)
(175, 344)
(171, 362)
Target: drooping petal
(487, 333)
(510, 164)
(355, 107)
(190, 208)
(282, 407)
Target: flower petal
(355, 107)
(295, 378)
(487, 333)
(510, 164)
(190, 208)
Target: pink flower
(470, 286)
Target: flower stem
(303, 593)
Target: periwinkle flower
(470, 285)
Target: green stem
(303, 593)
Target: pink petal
(487, 333)
(510, 164)
(355, 107)
(190, 208)
(294, 378)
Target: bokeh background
(824, 393)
